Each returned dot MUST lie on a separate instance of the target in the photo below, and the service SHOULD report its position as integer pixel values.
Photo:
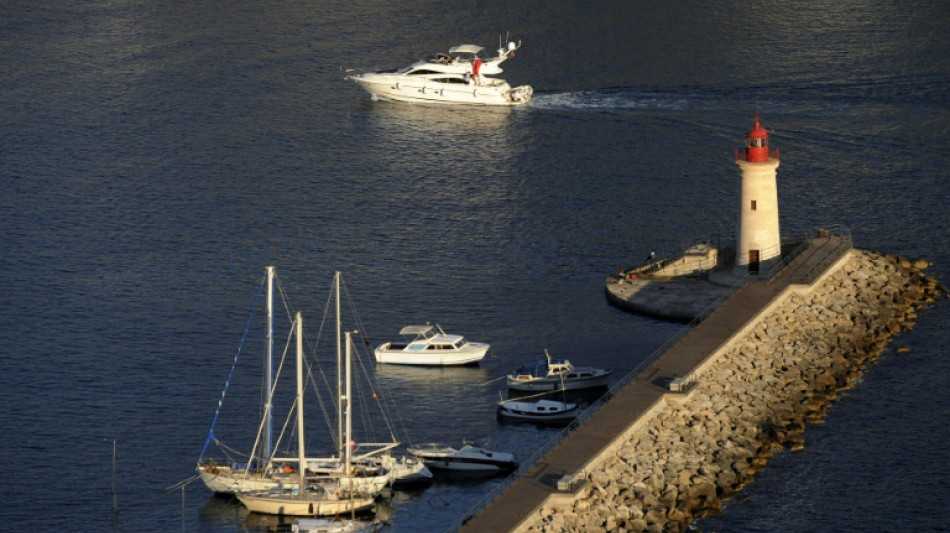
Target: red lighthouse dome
(757, 144)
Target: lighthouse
(758, 244)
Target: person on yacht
(476, 66)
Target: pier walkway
(646, 385)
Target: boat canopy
(417, 330)
(466, 49)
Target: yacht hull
(401, 89)
(402, 357)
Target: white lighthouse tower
(758, 245)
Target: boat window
(421, 72)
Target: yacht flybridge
(462, 76)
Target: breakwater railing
(830, 250)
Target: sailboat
(405, 471)
(369, 473)
(259, 472)
(265, 472)
(326, 499)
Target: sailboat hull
(302, 505)
(224, 480)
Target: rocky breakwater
(753, 397)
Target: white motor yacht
(468, 458)
(462, 76)
(429, 345)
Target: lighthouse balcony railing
(740, 154)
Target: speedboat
(468, 458)
(538, 411)
(335, 525)
(559, 374)
(462, 76)
(430, 345)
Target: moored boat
(260, 471)
(559, 374)
(462, 76)
(429, 345)
(468, 458)
(335, 525)
(538, 411)
(323, 499)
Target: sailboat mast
(339, 365)
(349, 414)
(300, 437)
(269, 367)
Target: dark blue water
(156, 156)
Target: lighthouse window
(756, 143)
(753, 205)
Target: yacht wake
(610, 101)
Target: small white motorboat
(335, 525)
(559, 374)
(429, 345)
(468, 458)
(537, 411)
(462, 76)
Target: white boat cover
(416, 330)
(466, 49)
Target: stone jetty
(753, 396)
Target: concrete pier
(561, 478)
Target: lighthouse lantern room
(758, 243)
